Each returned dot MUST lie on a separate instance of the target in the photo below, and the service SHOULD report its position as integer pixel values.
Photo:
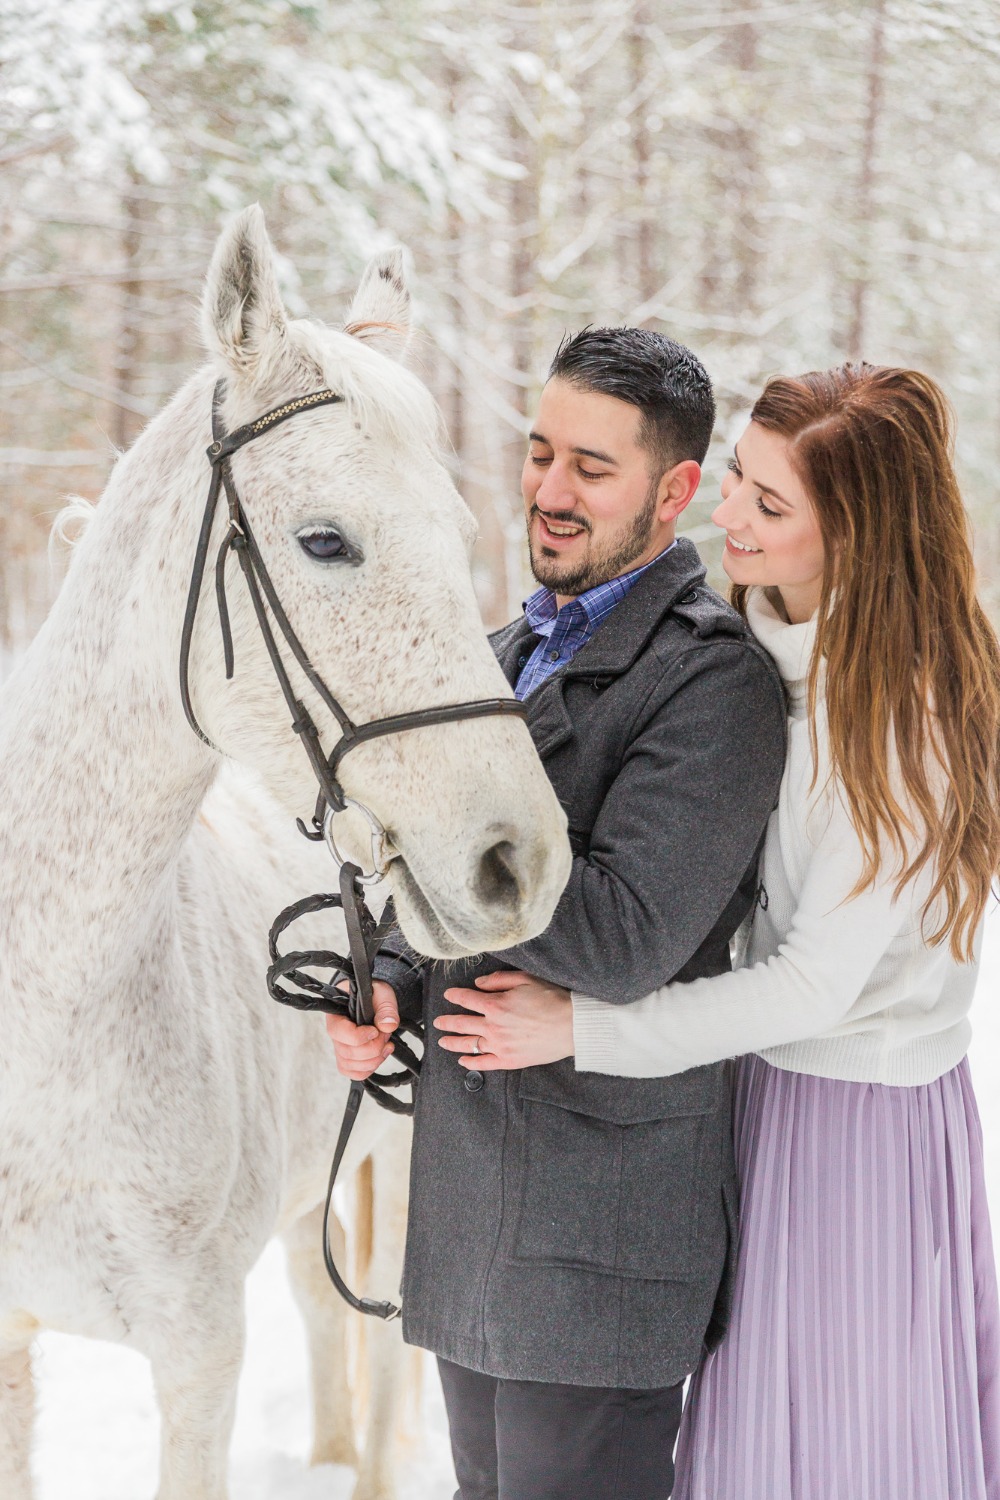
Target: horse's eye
(326, 545)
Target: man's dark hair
(661, 377)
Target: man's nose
(554, 491)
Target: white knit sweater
(834, 987)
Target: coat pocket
(619, 1174)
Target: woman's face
(772, 534)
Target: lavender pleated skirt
(863, 1356)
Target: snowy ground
(97, 1429)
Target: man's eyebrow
(602, 458)
(765, 489)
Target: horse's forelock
(383, 397)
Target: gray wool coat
(574, 1227)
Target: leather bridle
(364, 933)
(239, 538)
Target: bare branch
(35, 148)
(72, 380)
(117, 276)
(42, 458)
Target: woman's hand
(516, 1022)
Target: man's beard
(598, 566)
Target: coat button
(473, 1080)
(689, 597)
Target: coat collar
(510, 643)
(616, 643)
(612, 648)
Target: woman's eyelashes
(735, 470)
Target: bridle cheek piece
(364, 933)
(239, 538)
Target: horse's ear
(242, 315)
(380, 312)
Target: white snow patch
(97, 1436)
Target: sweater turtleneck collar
(791, 646)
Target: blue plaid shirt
(564, 631)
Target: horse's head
(367, 544)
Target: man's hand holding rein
(362, 1049)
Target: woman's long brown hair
(912, 662)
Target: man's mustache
(560, 517)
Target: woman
(863, 1357)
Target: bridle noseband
(364, 933)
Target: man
(570, 1236)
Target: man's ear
(677, 488)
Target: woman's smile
(763, 497)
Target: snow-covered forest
(780, 183)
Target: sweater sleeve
(820, 969)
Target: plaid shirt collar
(564, 631)
(587, 610)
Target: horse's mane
(70, 523)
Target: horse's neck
(100, 777)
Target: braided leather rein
(291, 977)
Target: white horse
(160, 1117)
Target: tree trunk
(128, 352)
(861, 287)
(747, 174)
(646, 273)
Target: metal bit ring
(382, 852)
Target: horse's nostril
(497, 883)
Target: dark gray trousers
(525, 1440)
